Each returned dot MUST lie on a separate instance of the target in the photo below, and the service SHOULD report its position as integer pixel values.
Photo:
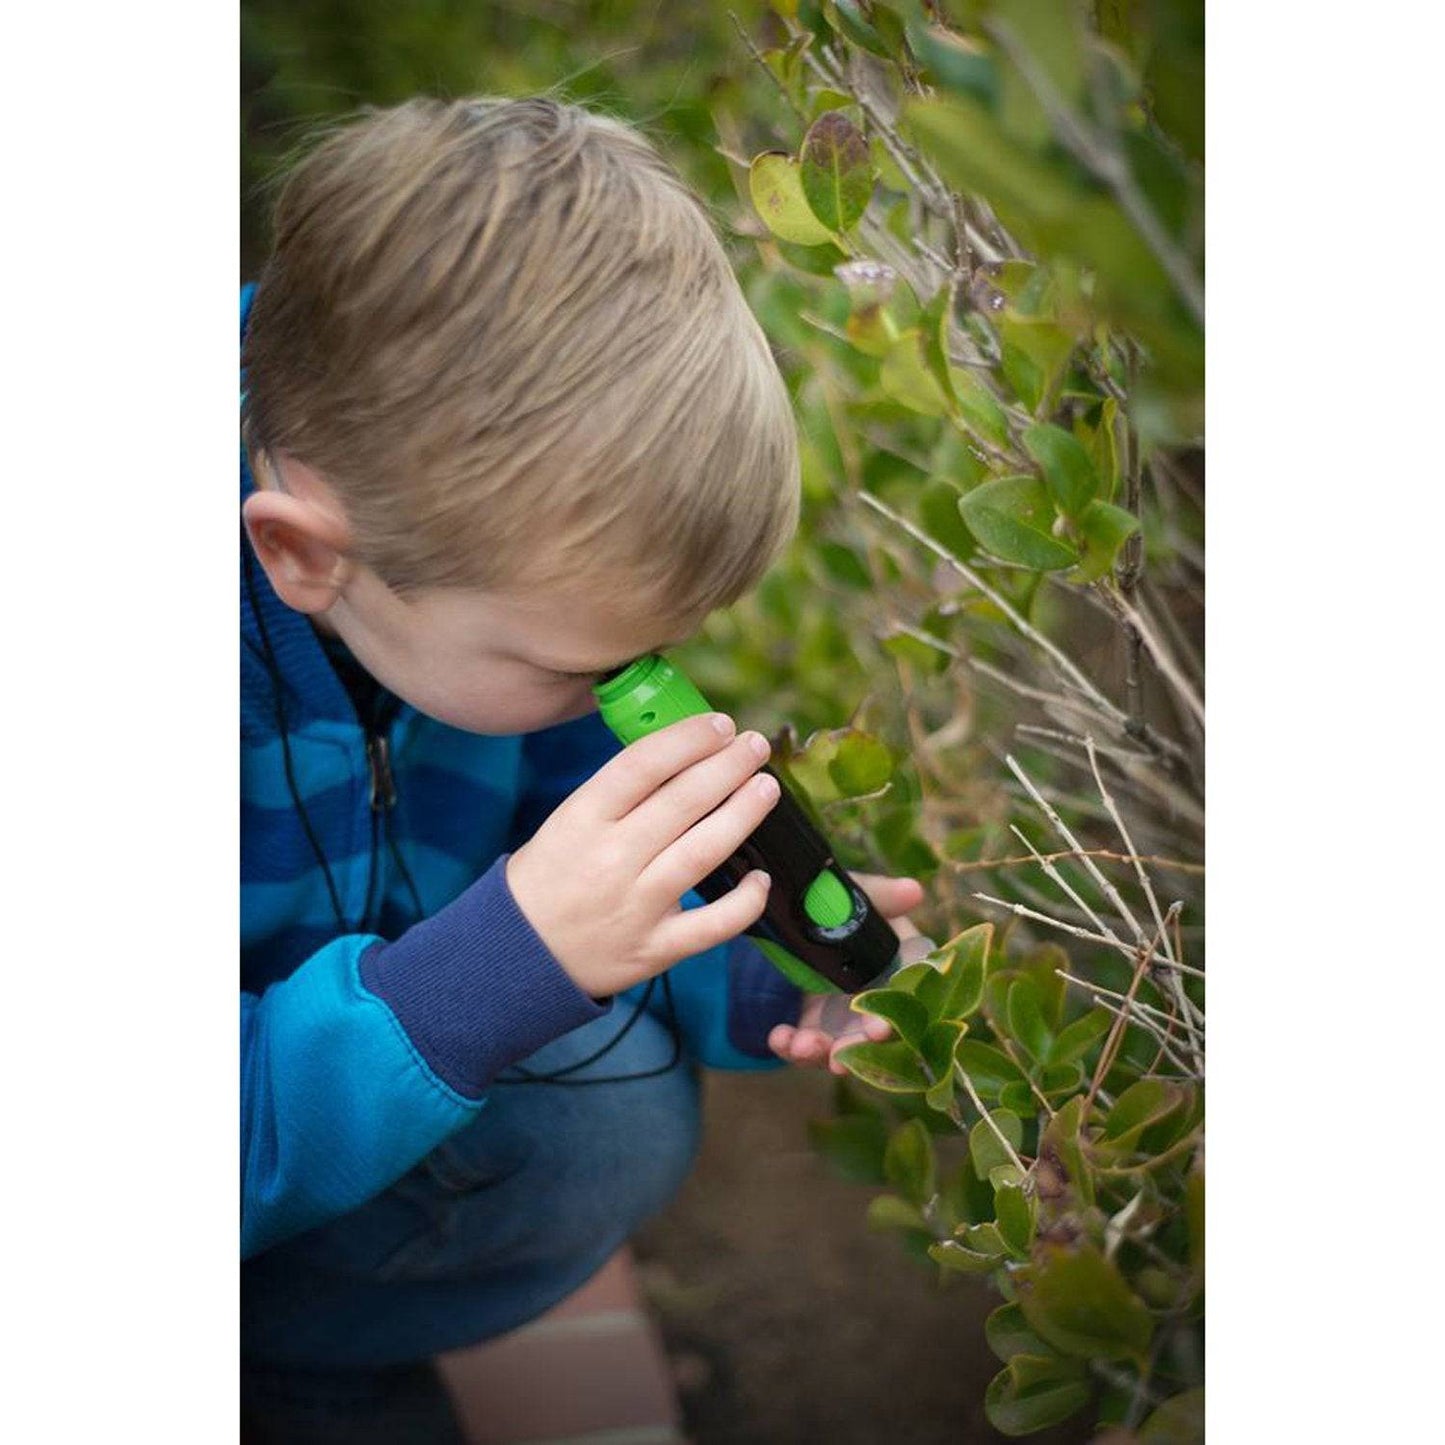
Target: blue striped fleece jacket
(387, 974)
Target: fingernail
(767, 786)
(759, 744)
(723, 724)
(764, 878)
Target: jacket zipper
(383, 783)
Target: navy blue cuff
(475, 988)
(759, 999)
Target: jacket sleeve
(727, 999)
(371, 1054)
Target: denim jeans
(492, 1229)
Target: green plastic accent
(649, 694)
(794, 969)
(828, 902)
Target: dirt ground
(787, 1320)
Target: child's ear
(302, 545)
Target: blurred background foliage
(973, 232)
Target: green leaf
(1104, 449)
(909, 1164)
(933, 331)
(1005, 1176)
(837, 171)
(826, 99)
(1079, 1302)
(955, 986)
(988, 1068)
(843, 565)
(1024, 375)
(862, 764)
(928, 659)
(1016, 1215)
(1061, 1078)
(956, 62)
(848, 19)
(905, 376)
(938, 509)
(953, 1255)
(1041, 964)
(1068, 472)
(1012, 517)
(854, 1144)
(939, 1096)
(1194, 1220)
(1075, 1040)
(1047, 347)
(986, 1148)
(1056, 1389)
(1179, 1421)
(939, 1044)
(777, 191)
(892, 1066)
(985, 1239)
(982, 413)
(809, 766)
(906, 1013)
(1142, 1104)
(1026, 1018)
(1104, 529)
(1008, 1334)
(888, 1211)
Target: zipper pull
(383, 785)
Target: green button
(828, 902)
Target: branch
(1157, 961)
(1069, 671)
(981, 865)
(767, 70)
(1186, 1005)
(992, 1124)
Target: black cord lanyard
(524, 1076)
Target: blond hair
(506, 334)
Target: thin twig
(1116, 1032)
(981, 864)
(1130, 1015)
(1181, 998)
(1022, 910)
(1070, 672)
(1162, 658)
(767, 69)
(992, 1124)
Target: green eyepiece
(647, 695)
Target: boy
(507, 423)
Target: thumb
(892, 897)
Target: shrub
(979, 254)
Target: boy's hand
(601, 878)
(827, 1024)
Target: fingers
(640, 769)
(710, 842)
(813, 1046)
(799, 1045)
(659, 821)
(892, 897)
(695, 930)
